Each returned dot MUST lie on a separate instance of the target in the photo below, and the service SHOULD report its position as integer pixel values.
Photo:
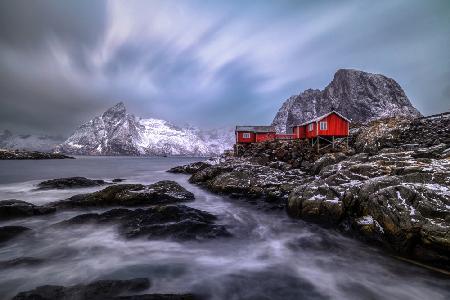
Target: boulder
(162, 192)
(9, 232)
(171, 221)
(11, 209)
(69, 183)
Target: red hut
(328, 125)
(254, 134)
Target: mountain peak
(117, 111)
(358, 95)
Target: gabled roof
(324, 116)
(256, 128)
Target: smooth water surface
(270, 256)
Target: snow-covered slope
(358, 95)
(43, 143)
(116, 132)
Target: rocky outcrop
(392, 189)
(12, 209)
(23, 154)
(358, 95)
(190, 169)
(117, 132)
(9, 232)
(162, 192)
(69, 183)
(172, 221)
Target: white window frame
(246, 135)
(311, 127)
(323, 125)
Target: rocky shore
(391, 187)
(23, 154)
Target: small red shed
(254, 134)
(332, 124)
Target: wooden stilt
(333, 142)
(318, 147)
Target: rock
(171, 221)
(326, 160)
(316, 202)
(21, 261)
(116, 180)
(11, 209)
(23, 154)
(102, 289)
(190, 168)
(9, 232)
(162, 192)
(69, 183)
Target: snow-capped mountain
(116, 132)
(44, 143)
(358, 95)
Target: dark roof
(324, 116)
(256, 128)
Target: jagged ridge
(116, 132)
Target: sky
(208, 63)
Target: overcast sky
(208, 63)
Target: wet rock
(190, 168)
(316, 202)
(102, 289)
(171, 221)
(116, 180)
(11, 209)
(162, 192)
(69, 183)
(21, 261)
(9, 232)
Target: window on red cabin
(310, 127)
(323, 125)
(246, 135)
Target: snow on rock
(358, 95)
(116, 132)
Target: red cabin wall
(266, 136)
(336, 126)
(299, 132)
(240, 137)
(311, 134)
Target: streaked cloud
(211, 63)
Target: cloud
(207, 63)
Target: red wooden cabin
(332, 124)
(254, 134)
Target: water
(269, 256)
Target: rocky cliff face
(116, 132)
(358, 95)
